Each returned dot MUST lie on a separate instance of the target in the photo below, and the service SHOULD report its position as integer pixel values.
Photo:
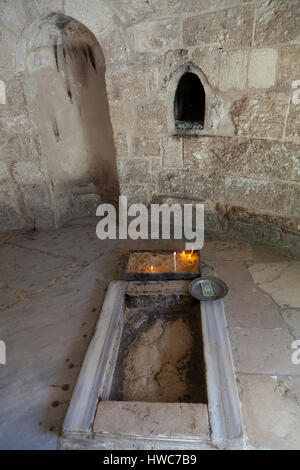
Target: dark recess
(189, 104)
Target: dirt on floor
(157, 365)
(160, 357)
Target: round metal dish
(219, 287)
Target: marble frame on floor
(222, 424)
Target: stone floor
(52, 286)
(263, 315)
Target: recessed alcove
(65, 87)
(189, 103)
(195, 107)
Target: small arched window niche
(189, 103)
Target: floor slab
(245, 305)
(263, 351)
(280, 280)
(47, 332)
(171, 420)
(292, 320)
(271, 412)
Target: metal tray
(219, 288)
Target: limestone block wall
(244, 164)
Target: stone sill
(172, 421)
(196, 133)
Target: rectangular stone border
(224, 406)
(95, 377)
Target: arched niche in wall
(64, 81)
(189, 102)
(194, 107)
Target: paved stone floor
(263, 314)
(52, 285)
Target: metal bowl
(208, 288)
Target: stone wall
(244, 164)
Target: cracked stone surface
(264, 319)
(247, 306)
(7, 299)
(271, 412)
(292, 320)
(17, 261)
(52, 285)
(71, 242)
(264, 351)
(280, 280)
(263, 254)
(156, 366)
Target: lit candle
(174, 261)
(151, 268)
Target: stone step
(157, 293)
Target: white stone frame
(224, 406)
(94, 381)
(2, 92)
(96, 374)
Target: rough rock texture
(160, 357)
(156, 355)
(54, 164)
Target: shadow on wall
(65, 84)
